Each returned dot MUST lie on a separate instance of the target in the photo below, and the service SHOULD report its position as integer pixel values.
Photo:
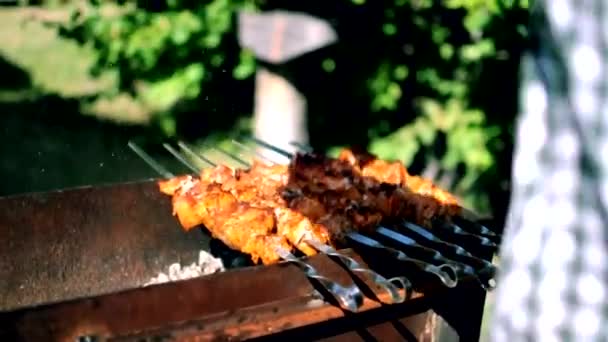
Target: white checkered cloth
(553, 285)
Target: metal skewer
(149, 160)
(251, 151)
(456, 231)
(194, 154)
(447, 273)
(486, 233)
(484, 276)
(446, 246)
(477, 228)
(350, 298)
(181, 158)
(232, 156)
(271, 147)
(387, 284)
(301, 146)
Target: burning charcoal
(174, 271)
(207, 264)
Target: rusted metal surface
(237, 304)
(87, 241)
(412, 328)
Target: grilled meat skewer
(394, 173)
(239, 225)
(325, 177)
(263, 193)
(317, 202)
(314, 198)
(192, 201)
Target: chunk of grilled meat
(295, 226)
(339, 185)
(172, 185)
(240, 225)
(395, 173)
(190, 201)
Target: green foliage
(165, 56)
(413, 80)
(450, 127)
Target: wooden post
(275, 38)
(280, 111)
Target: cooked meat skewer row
(334, 184)
(299, 228)
(380, 200)
(293, 225)
(241, 226)
(315, 197)
(395, 173)
(326, 212)
(338, 224)
(296, 219)
(354, 176)
(292, 207)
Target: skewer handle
(388, 285)
(458, 232)
(485, 276)
(476, 227)
(350, 298)
(450, 247)
(447, 273)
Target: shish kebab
(314, 198)
(259, 186)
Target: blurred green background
(431, 83)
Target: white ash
(207, 264)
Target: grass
(54, 64)
(57, 65)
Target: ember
(206, 264)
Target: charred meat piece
(298, 228)
(366, 200)
(295, 226)
(394, 173)
(241, 226)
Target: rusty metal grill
(438, 253)
(75, 261)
